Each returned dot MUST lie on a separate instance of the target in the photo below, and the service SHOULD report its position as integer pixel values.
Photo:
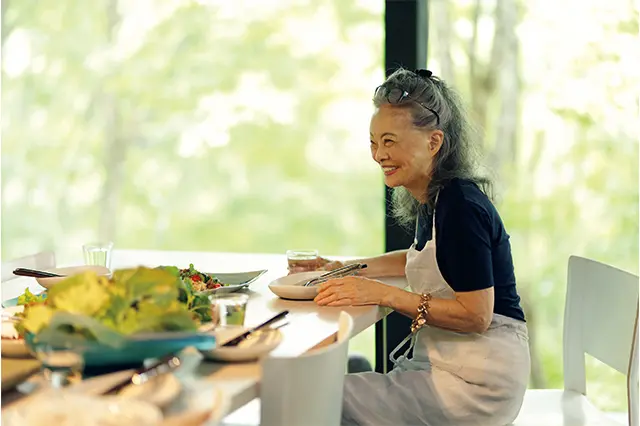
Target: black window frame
(406, 24)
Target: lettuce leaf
(80, 294)
(150, 317)
(87, 307)
(36, 318)
(27, 298)
(72, 328)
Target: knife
(240, 338)
(143, 374)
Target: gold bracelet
(423, 310)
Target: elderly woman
(470, 363)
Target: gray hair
(434, 105)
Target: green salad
(97, 308)
(191, 289)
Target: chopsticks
(25, 272)
(240, 338)
(143, 374)
(336, 273)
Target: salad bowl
(133, 315)
(135, 349)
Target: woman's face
(404, 152)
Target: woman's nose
(380, 154)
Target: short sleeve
(463, 245)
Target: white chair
(301, 391)
(42, 260)
(601, 319)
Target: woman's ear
(435, 142)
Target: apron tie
(403, 362)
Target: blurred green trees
(242, 126)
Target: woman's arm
(470, 311)
(386, 265)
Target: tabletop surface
(309, 324)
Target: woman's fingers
(326, 298)
(328, 291)
(341, 302)
(328, 284)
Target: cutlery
(280, 325)
(25, 272)
(336, 273)
(143, 374)
(9, 317)
(240, 338)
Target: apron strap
(398, 361)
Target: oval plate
(290, 286)
(70, 271)
(234, 281)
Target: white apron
(454, 378)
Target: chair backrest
(633, 384)
(306, 390)
(600, 316)
(42, 260)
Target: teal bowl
(136, 348)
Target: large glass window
(553, 92)
(211, 125)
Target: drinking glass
(62, 364)
(228, 309)
(98, 254)
(302, 260)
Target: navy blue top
(472, 246)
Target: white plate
(70, 409)
(258, 345)
(290, 286)
(13, 348)
(69, 271)
(203, 403)
(159, 390)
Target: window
(554, 95)
(236, 126)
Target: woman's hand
(321, 265)
(351, 291)
(330, 265)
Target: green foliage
(573, 188)
(219, 128)
(95, 308)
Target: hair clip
(423, 73)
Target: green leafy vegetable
(81, 294)
(29, 298)
(196, 302)
(95, 308)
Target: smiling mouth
(388, 171)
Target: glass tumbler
(98, 254)
(228, 309)
(62, 364)
(302, 260)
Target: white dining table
(309, 325)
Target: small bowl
(291, 286)
(255, 347)
(69, 271)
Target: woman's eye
(388, 142)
